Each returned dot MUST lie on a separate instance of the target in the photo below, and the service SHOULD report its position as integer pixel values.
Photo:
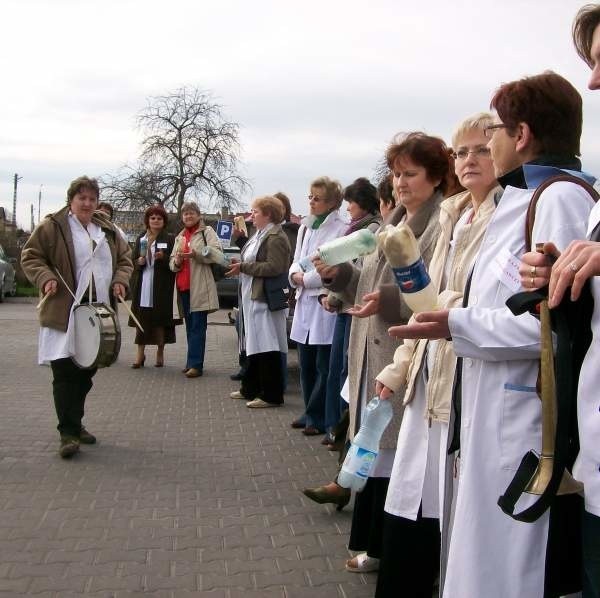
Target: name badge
(506, 268)
(161, 246)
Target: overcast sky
(318, 87)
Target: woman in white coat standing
(262, 332)
(490, 554)
(411, 533)
(312, 326)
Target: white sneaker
(236, 394)
(259, 404)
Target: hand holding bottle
(402, 253)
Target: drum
(97, 336)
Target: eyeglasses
(316, 198)
(478, 152)
(491, 129)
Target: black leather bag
(277, 291)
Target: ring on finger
(574, 267)
(533, 271)
(532, 282)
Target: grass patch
(26, 291)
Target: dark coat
(164, 283)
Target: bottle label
(413, 278)
(359, 461)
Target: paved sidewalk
(188, 492)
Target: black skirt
(152, 331)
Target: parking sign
(224, 230)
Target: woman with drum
(263, 331)
(195, 283)
(66, 252)
(153, 284)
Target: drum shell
(109, 336)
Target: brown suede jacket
(50, 248)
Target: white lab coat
(311, 322)
(490, 554)
(587, 466)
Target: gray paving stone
(186, 494)
(76, 583)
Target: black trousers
(410, 559)
(70, 387)
(366, 533)
(264, 377)
(591, 555)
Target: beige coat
(409, 358)
(369, 338)
(203, 290)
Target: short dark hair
(551, 107)
(584, 25)
(104, 205)
(364, 194)
(429, 152)
(155, 209)
(385, 191)
(287, 206)
(81, 183)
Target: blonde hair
(271, 207)
(333, 190)
(478, 121)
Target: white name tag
(161, 246)
(506, 268)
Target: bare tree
(189, 151)
(135, 188)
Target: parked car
(227, 288)
(8, 282)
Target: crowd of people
(505, 208)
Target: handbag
(277, 291)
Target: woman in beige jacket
(195, 283)
(420, 164)
(423, 374)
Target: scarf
(358, 223)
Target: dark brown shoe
(69, 445)
(312, 431)
(324, 495)
(86, 438)
(298, 424)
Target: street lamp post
(40, 204)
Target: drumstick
(43, 300)
(130, 312)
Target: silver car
(8, 282)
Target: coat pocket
(521, 425)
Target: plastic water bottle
(401, 250)
(365, 446)
(215, 256)
(143, 246)
(342, 249)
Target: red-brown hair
(551, 107)
(429, 152)
(155, 209)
